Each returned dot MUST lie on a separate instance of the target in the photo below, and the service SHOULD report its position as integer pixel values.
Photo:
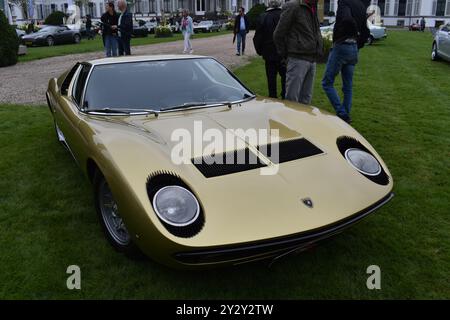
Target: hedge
(9, 42)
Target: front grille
(227, 163)
(289, 150)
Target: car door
(444, 41)
(69, 114)
(67, 34)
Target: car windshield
(162, 84)
(205, 22)
(48, 29)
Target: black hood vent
(244, 160)
(227, 163)
(290, 150)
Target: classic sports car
(120, 119)
(207, 26)
(441, 44)
(51, 35)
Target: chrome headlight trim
(370, 156)
(172, 223)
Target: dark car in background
(51, 35)
(139, 31)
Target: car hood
(245, 206)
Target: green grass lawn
(401, 105)
(85, 45)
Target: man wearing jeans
(125, 28)
(241, 28)
(350, 34)
(298, 38)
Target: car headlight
(176, 206)
(363, 161)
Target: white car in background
(441, 44)
(376, 32)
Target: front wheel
(76, 38)
(434, 52)
(50, 41)
(112, 223)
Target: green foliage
(229, 25)
(55, 18)
(9, 42)
(254, 14)
(327, 38)
(163, 32)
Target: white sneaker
(184, 51)
(191, 52)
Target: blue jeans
(342, 59)
(111, 46)
(241, 39)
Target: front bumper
(243, 253)
(34, 42)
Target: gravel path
(26, 83)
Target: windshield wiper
(124, 111)
(185, 105)
(108, 110)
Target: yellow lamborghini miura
(122, 119)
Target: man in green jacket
(298, 39)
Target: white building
(404, 12)
(141, 8)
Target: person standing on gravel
(241, 28)
(187, 28)
(109, 20)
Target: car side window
(66, 83)
(79, 85)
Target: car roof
(124, 59)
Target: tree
(55, 18)
(9, 42)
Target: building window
(137, 6)
(447, 12)
(91, 9)
(439, 7)
(387, 7)
(166, 7)
(417, 6)
(396, 8)
(409, 5)
(151, 6)
(52, 7)
(401, 8)
(381, 5)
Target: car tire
(50, 41)
(434, 52)
(112, 225)
(370, 40)
(76, 38)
